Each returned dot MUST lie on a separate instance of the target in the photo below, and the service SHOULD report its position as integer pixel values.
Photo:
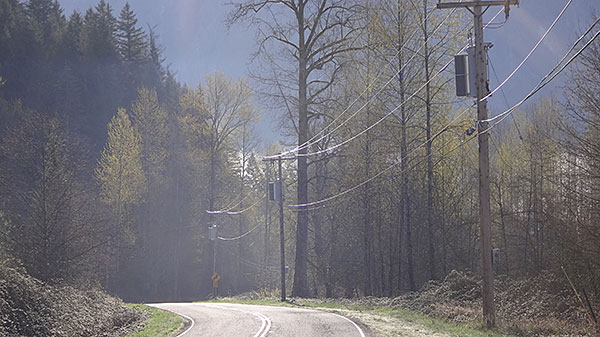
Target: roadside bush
(29, 307)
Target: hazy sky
(197, 41)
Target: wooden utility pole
(281, 227)
(485, 222)
(267, 216)
(281, 234)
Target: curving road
(226, 320)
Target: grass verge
(160, 323)
(384, 321)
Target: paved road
(228, 320)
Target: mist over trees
(108, 165)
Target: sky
(198, 42)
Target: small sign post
(215, 278)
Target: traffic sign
(216, 277)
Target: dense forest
(108, 165)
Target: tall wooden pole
(485, 222)
(267, 216)
(281, 233)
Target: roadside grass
(384, 321)
(160, 323)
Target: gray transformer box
(461, 75)
(465, 72)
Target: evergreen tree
(154, 73)
(131, 40)
(101, 26)
(74, 39)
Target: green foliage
(160, 322)
(131, 40)
(150, 120)
(43, 174)
(119, 169)
(74, 65)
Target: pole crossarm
(442, 5)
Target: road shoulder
(380, 321)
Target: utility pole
(267, 215)
(212, 235)
(485, 222)
(279, 193)
(281, 236)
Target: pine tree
(131, 40)
(154, 73)
(101, 26)
(73, 38)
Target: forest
(111, 171)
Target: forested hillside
(108, 165)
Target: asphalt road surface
(232, 320)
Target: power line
(314, 203)
(229, 212)
(312, 140)
(309, 142)
(229, 206)
(505, 99)
(547, 79)
(239, 236)
(333, 147)
(551, 74)
(530, 52)
(378, 121)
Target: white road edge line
(268, 320)
(362, 334)
(182, 315)
(265, 321)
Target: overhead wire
(545, 80)
(333, 147)
(362, 132)
(505, 99)
(530, 52)
(229, 206)
(229, 212)
(313, 139)
(314, 203)
(553, 72)
(241, 235)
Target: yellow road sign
(215, 277)
(215, 283)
